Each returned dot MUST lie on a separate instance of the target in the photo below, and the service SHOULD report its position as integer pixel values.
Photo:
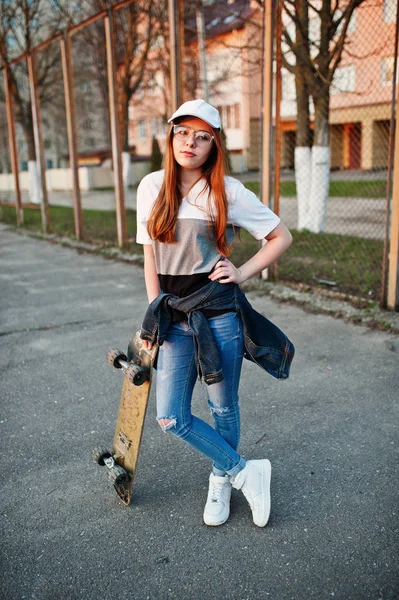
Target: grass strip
(99, 226)
(341, 189)
(349, 264)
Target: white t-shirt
(184, 266)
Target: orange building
(361, 93)
(233, 57)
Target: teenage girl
(187, 217)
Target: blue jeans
(175, 380)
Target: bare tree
(23, 25)
(228, 56)
(314, 58)
(5, 160)
(136, 28)
(223, 53)
(315, 36)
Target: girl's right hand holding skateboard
(147, 345)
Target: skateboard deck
(136, 365)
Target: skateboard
(136, 365)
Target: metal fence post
(266, 110)
(277, 153)
(38, 136)
(67, 72)
(267, 94)
(393, 268)
(13, 147)
(176, 59)
(392, 144)
(201, 34)
(115, 138)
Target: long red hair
(161, 225)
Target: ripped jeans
(175, 380)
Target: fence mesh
(19, 78)
(54, 127)
(5, 160)
(334, 171)
(91, 95)
(333, 122)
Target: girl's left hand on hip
(226, 272)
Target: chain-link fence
(334, 75)
(5, 160)
(335, 119)
(68, 99)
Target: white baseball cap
(201, 110)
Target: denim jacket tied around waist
(265, 344)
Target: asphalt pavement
(330, 431)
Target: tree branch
(336, 52)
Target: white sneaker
(254, 482)
(217, 507)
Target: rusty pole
(67, 72)
(115, 137)
(393, 264)
(38, 136)
(267, 95)
(391, 159)
(13, 147)
(180, 48)
(277, 153)
(176, 62)
(201, 35)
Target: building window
(24, 165)
(223, 115)
(288, 85)
(49, 163)
(158, 43)
(157, 127)
(139, 94)
(344, 80)
(142, 130)
(154, 127)
(387, 69)
(155, 82)
(389, 11)
(230, 116)
(151, 83)
(351, 24)
(237, 116)
(11, 42)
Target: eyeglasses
(202, 138)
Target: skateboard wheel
(114, 356)
(99, 455)
(136, 374)
(118, 475)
